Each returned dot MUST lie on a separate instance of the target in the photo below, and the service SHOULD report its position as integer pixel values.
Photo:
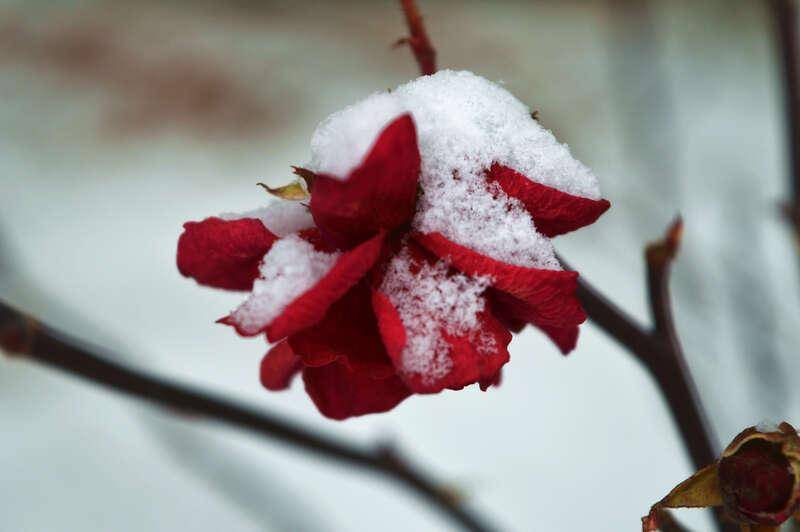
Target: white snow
(343, 139)
(430, 302)
(290, 268)
(482, 217)
(464, 123)
(281, 217)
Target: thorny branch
(418, 40)
(25, 337)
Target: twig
(784, 13)
(25, 337)
(659, 349)
(418, 40)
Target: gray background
(121, 120)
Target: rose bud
(757, 481)
(759, 475)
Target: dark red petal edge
(223, 253)
(278, 367)
(495, 380)
(380, 193)
(471, 362)
(554, 212)
(550, 294)
(340, 393)
(565, 338)
(515, 314)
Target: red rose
(370, 308)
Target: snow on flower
(426, 240)
(289, 268)
(431, 304)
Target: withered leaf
(698, 491)
(294, 191)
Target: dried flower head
(757, 480)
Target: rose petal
(510, 311)
(223, 253)
(379, 194)
(310, 307)
(554, 212)
(549, 293)
(515, 314)
(278, 367)
(340, 393)
(474, 357)
(349, 333)
(494, 380)
(565, 338)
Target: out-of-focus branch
(418, 39)
(27, 338)
(659, 349)
(785, 18)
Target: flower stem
(418, 39)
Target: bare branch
(659, 255)
(418, 39)
(659, 349)
(785, 18)
(27, 338)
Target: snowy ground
(103, 160)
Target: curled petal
(379, 194)
(554, 212)
(550, 294)
(310, 307)
(223, 253)
(340, 393)
(278, 367)
(473, 357)
(515, 314)
(348, 333)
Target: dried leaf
(294, 191)
(698, 491)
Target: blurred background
(121, 120)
